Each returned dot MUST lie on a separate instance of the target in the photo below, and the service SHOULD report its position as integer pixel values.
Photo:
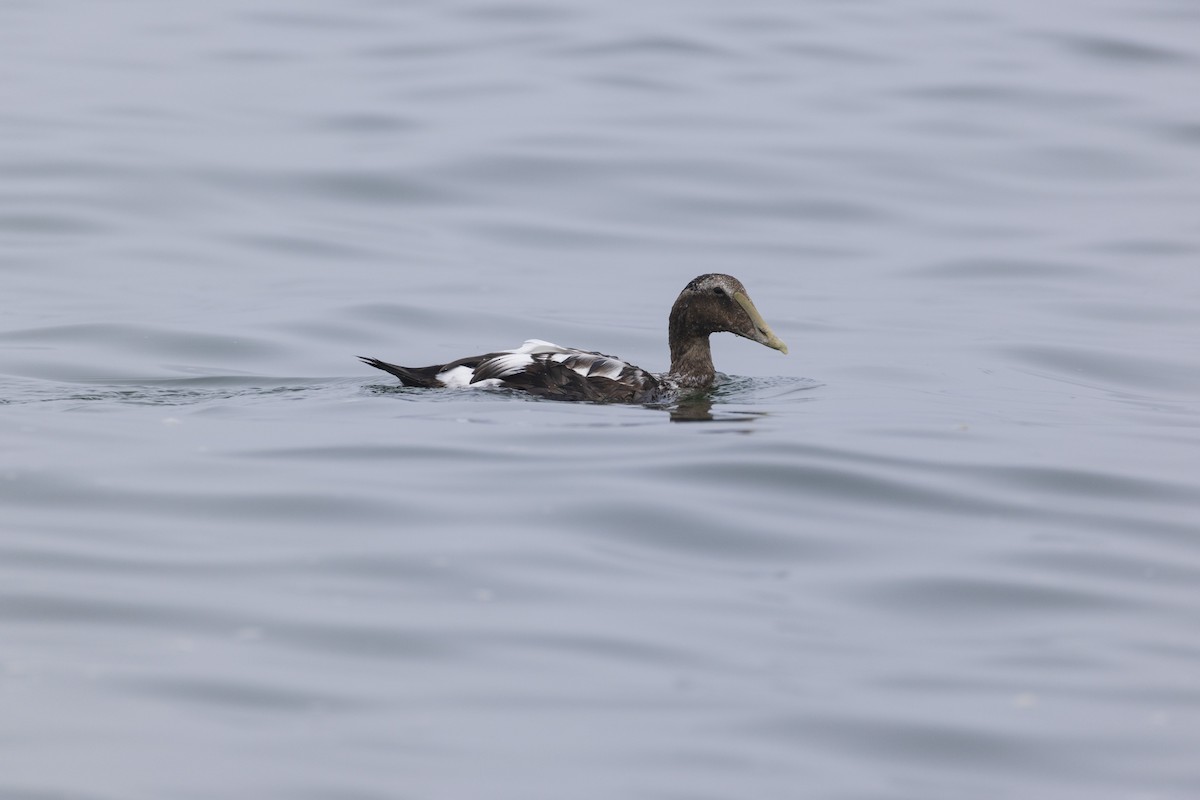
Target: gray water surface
(947, 548)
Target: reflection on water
(692, 409)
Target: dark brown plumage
(708, 304)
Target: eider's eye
(719, 290)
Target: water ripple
(1120, 52)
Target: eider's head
(713, 303)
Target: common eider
(709, 304)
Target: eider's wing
(566, 373)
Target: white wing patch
(536, 346)
(612, 369)
(457, 378)
(508, 364)
(590, 365)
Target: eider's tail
(425, 377)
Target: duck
(710, 303)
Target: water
(947, 548)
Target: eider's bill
(762, 331)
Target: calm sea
(948, 548)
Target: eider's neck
(691, 360)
